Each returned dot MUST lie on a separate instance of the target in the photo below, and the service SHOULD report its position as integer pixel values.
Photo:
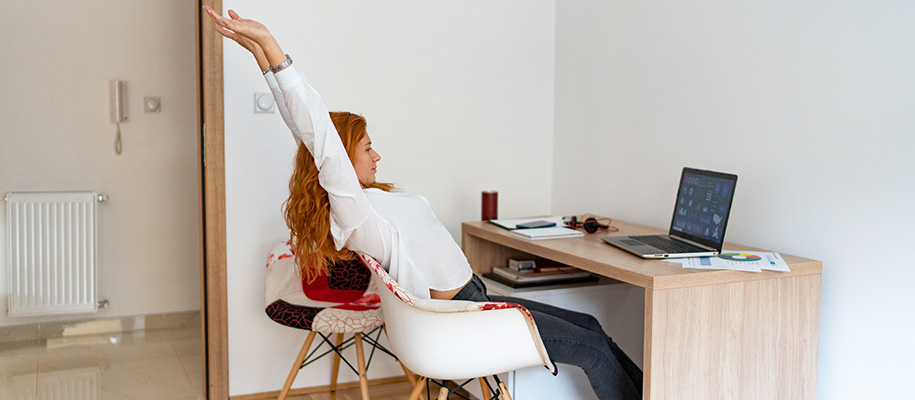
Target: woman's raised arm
(255, 49)
(308, 118)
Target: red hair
(307, 210)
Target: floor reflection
(159, 364)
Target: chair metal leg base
(447, 390)
(358, 340)
(503, 391)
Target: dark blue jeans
(578, 339)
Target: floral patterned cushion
(343, 301)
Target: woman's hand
(251, 35)
(239, 29)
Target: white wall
(57, 58)
(458, 97)
(809, 103)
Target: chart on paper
(743, 260)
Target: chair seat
(343, 301)
(423, 332)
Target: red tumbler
(490, 205)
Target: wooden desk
(709, 334)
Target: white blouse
(397, 228)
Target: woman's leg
(592, 351)
(585, 321)
(578, 341)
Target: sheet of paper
(513, 223)
(775, 262)
(555, 232)
(737, 260)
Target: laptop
(699, 220)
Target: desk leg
(745, 340)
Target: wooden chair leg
(360, 357)
(296, 366)
(409, 374)
(335, 370)
(484, 388)
(443, 393)
(504, 392)
(418, 389)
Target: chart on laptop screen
(702, 206)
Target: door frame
(214, 309)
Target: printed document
(737, 260)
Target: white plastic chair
(457, 340)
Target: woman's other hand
(250, 34)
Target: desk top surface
(592, 254)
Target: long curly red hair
(307, 210)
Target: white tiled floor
(161, 364)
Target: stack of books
(527, 273)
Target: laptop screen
(703, 205)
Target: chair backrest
(450, 339)
(323, 303)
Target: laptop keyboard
(667, 244)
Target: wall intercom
(117, 95)
(117, 105)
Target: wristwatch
(282, 65)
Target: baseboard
(319, 389)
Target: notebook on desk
(699, 221)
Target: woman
(336, 205)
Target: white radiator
(51, 242)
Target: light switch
(152, 104)
(263, 103)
